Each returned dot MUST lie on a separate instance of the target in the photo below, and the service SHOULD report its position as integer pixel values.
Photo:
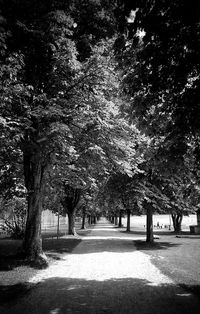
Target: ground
(106, 270)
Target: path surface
(103, 272)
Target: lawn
(177, 257)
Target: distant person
(158, 225)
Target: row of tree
(60, 104)
(95, 109)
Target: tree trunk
(177, 220)
(120, 219)
(70, 203)
(58, 226)
(83, 219)
(112, 219)
(116, 220)
(149, 235)
(198, 217)
(71, 223)
(89, 220)
(128, 226)
(32, 246)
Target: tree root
(39, 262)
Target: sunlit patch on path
(105, 229)
(104, 255)
(112, 238)
(104, 266)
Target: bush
(13, 216)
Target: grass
(177, 257)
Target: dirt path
(103, 273)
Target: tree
(40, 77)
(83, 224)
(166, 61)
(161, 64)
(70, 201)
(167, 186)
(102, 141)
(158, 51)
(33, 115)
(118, 198)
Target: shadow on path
(117, 296)
(11, 293)
(144, 246)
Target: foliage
(161, 71)
(158, 52)
(13, 214)
(102, 141)
(43, 87)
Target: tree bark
(128, 226)
(89, 220)
(198, 217)
(71, 223)
(58, 226)
(177, 220)
(116, 220)
(83, 219)
(149, 234)
(32, 246)
(70, 203)
(120, 219)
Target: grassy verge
(177, 257)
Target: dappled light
(128, 295)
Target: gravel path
(103, 274)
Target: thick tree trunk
(112, 219)
(149, 234)
(32, 246)
(177, 220)
(71, 223)
(128, 226)
(116, 220)
(120, 219)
